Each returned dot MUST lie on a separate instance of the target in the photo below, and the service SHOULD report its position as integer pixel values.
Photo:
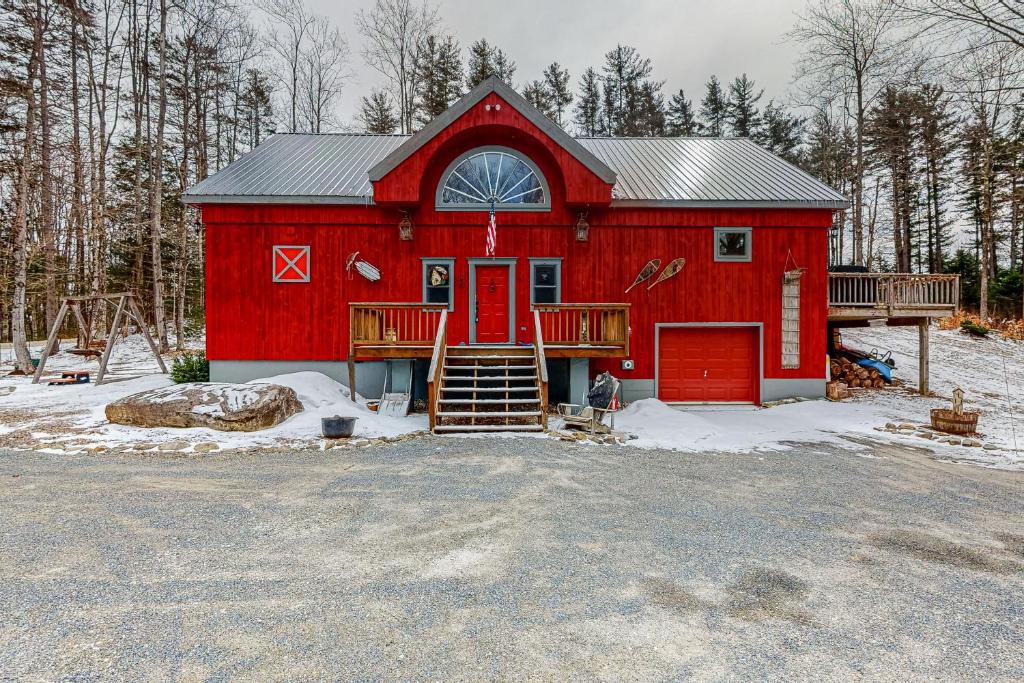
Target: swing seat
(70, 378)
(87, 353)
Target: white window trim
(480, 206)
(273, 263)
(735, 259)
(557, 263)
(425, 271)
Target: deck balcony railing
(591, 329)
(894, 293)
(377, 327)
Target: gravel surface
(469, 559)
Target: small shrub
(190, 366)
(973, 328)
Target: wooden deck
(410, 330)
(859, 297)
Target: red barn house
(351, 254)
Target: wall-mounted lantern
(405, 228)
(582, 229)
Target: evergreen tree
(936, 126)
(377, 114)
(780, 132)
(632, 103)
(556, 84)
(649, 119)
(256, 114)
(536, 93)
(486, 60)
(714, 109)
(587, 116)
(680, 118)
(742, 112)
(439, 75)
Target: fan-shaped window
(493, 176)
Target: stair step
(490, 367)
(488, 428)
(488, 378)
(490, 401)
(489, 390)
(520, 356)
(524, 413)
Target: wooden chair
(591, 417)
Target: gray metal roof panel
(334, 168)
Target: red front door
(492, 314)
(708, 364)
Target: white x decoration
(291, 264)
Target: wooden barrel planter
(952, 422)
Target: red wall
(251, 318)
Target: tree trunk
(47, 227)
(156, 185)
(23, 359)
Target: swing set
(85, 308)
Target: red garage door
(708, 364)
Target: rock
(991, 447)
(98, 449)
(906, 425)
(359, 442)
(890, 425)
(924, 435)
(173, 446)
(225, 407)
(953, 440)
(971, 443)
(205, 447)
(144, 446)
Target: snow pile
(658, 425)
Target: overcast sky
(686, 40)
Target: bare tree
(292, 24)
(156, 185)
(850, 50)
(395, 31)
(991, 22)
(323, 71)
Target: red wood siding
(251, 318)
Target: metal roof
(299, 168)
(703, 171)
(700, 172)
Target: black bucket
(337, 427)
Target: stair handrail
(542, 367)
(437, 359)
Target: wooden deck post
(922, 339)
(352, 378)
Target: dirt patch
(932, 548)
(671, 596)
(765, 593)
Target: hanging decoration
(367, 270)
(671, 270)
(582, 228)
(646, 273)
(492, 233)
(791, 275)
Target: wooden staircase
(490, 389)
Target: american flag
(492, 234)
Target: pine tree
(649, 112)
(587, 116)
(780, 132)
(537, 94)
(680, 118)
(714, 109)
(439, 72)
(377, 114)
(256, 113)
(556, 84)
(632, 103)
(742, 112)
(486, 60)
(936, 126)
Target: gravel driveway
(460, 559)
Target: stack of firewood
(854, 375)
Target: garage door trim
(658, 327)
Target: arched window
(493, 176)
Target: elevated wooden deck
(855, 298)
(411, 330)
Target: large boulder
(227, 407)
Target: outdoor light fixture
(582, 229)
(405, 228)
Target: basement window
(732, 244)
(545, 281)
(437, 281)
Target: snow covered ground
(989, 371)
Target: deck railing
(391, 324)
(584, 325)
(893, 291)
(437, 359)
(542, 366)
